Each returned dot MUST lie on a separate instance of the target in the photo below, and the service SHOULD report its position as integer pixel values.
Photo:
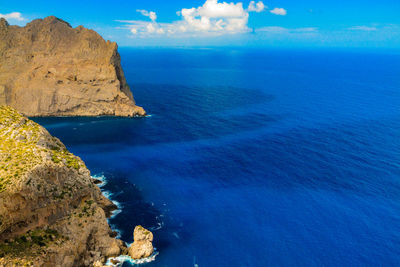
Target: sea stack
(48, 68)
(142, 246)
(51, 212)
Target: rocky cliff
(51, 212)
(48, 68)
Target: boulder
(142, 246)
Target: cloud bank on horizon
(226, 22)
(212, 18)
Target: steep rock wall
(48, 68)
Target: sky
(203, 23)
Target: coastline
(43, 185)
(52, 211)
(108, 195)
(119, 260)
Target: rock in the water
(142, 246)
(114, 261)
(48, 68)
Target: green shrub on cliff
(24, 145)
(29, 243)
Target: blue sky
(276, 23)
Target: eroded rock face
(142, 246)
(51, 212)
(48, 68)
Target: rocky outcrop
(142, 246)
(48, 68)
(51, 212)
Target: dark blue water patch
(204, 99)
(308, 158)
(191, 119)
(136, 211)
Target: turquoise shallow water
(254, 158)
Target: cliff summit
(48, 68)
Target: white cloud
(151, 14)
(307, 29)
(13, 16)
(278, 11)
(259, 7)
(363, 28)
(272, 29)
(150, 28)
(213, 9)
(140, 26)
(277, 29)
(212, 18)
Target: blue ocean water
(254, 157)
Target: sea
(253, 157)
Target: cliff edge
(48, 68)
(51, 212)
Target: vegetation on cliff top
(21, 251)
(24, 144)
(24, 243)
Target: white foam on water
(115, 229)
(125, 258)
(109, 195)
(101, 178)
(176, 235)
(122, 258)
(114, 213)
(158, 227)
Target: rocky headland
(51, 211)
(48, 68)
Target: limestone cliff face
(51, 212)
(48, 68)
